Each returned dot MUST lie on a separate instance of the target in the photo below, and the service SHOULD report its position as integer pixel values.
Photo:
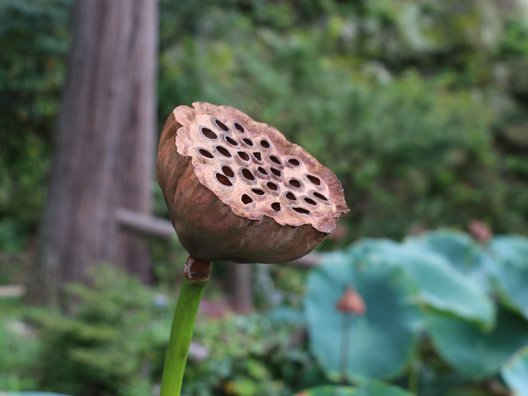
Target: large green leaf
(381, 340)
(329, 390)
(511, 271)
(460, 251)
(472, 350)
(445, 289)
(511, 248)
(512, 286)
(376, 388)
(367, 388)
(439, 285)
(515, 373)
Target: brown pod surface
(238, 190)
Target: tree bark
(240, 288)
(104, 152)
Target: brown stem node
(197, 270)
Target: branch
(150, 226)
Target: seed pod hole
(231, 141)
(262, 170)
(315, 180)
(258, 191)
(320, 196)
(275, 159)
(228, 171)
(243, 155)
(276, 172)
(246, 199)
(224, 180)
(205, 153)
(294, 162)
(247, 141)
(272, 186)
(247, 174)
(208, 133)
(265, 144)
(276, 206)
(310, 201)
(291, 196)
(257, 156)
(302, 210)
(239, 127)
(223, 151)
(294, 183)
(222, 126)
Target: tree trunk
(104, 149)
(240, 288)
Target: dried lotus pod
(238, 190)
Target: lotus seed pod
(237, 190)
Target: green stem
(196, 277)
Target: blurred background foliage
(420, 107)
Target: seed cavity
(224, 180)
(246, 199)
(291, 196)
(205, 153)
(276, 172)
(294, 183)
(315, 180)
(239, 127)
(223, 151)
(272, 186)
(222, 126)
(247, 174)
(320, 196)
(302, 210)
(310, 201)
(208, 133)
(243, 155)
(231, 141)
(255, 169)
(275, 159)
(228, 171)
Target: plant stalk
(345, 346)
(196, 273)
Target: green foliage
(20, 348)
(382, 340)
(248, 356)
(108, 342)
(475, 352)
(368, 388)
(329, 390)
(417, 105)
(515, 373)
(373, 91)
(34, 36)
(114, 338)
(447, 281)
(511, 277)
